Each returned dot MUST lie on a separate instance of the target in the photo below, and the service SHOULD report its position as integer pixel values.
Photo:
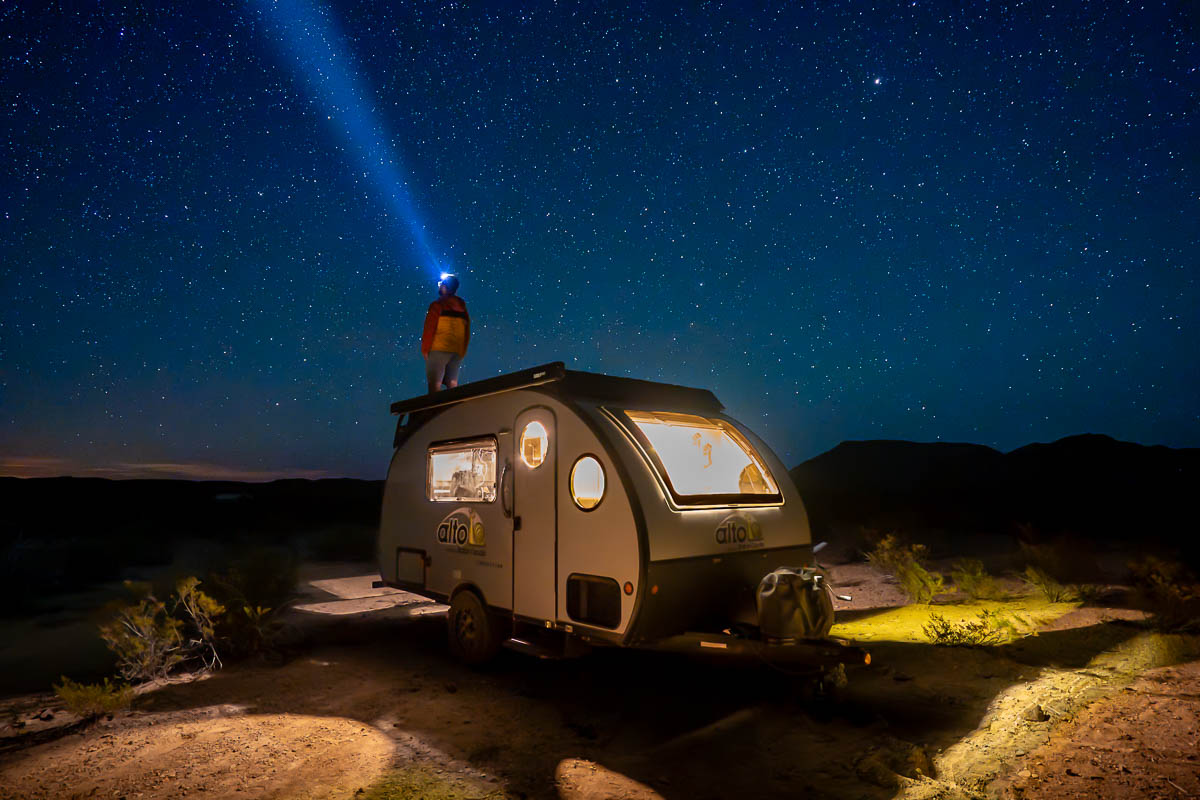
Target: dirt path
(378, 704)
(1143, 742)
(218, 752)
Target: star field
(969, 222)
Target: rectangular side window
(462, 472)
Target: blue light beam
(311, 39)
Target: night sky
(223, 222)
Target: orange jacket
(447, 326)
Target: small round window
(534, 444)
(587, 483)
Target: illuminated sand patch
(435, 780)
(906, 623)
(275, 755)
(580, 779)
(1022, 718)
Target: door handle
(504, 504)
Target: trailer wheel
(474, 634)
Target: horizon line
(56, 467)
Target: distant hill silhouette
(59, 534)
(1090, 485)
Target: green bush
(973, 580)
(989, 628)
(251, 631)
(1168, 590)
(90, 700)
(263, 576)
(1042, 581)
(905, 563)
(1049, 556)
(1088, 593)
(150, 637)
(200, 613)
(145, 638)
(254, 588)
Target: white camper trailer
(552, 508)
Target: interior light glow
(703, 456)
(462, 472)
(587, 483)
(534, 444)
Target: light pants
(441, 367)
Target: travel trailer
(555, 510)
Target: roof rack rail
(535, 376)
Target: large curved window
(587, 483)
(703, 460)
(534, 444)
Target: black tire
(474, 634)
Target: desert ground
(1087, 702)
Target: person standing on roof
(447, 331)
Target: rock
(1034, 713)
(451, 688)
(894, 763)
(872, 770)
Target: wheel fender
(467, 586)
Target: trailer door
(535, 514)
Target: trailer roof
(571, 383)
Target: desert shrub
(905, 563)
(253, 589)
(262, 576)
(1046, 555)
(1042, 581)
(1169, 592)
(90, 700)
(251, 631)
(973, 580)
(1088, 593)
(145, 638)
(150, 637)
(200, 612)
(988, 628)
(1068, 559)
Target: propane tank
(794, 603)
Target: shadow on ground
(686, 729)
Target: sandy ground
(1092, 704)
(1143, 742)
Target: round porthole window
(587, 483)
(534, 444)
